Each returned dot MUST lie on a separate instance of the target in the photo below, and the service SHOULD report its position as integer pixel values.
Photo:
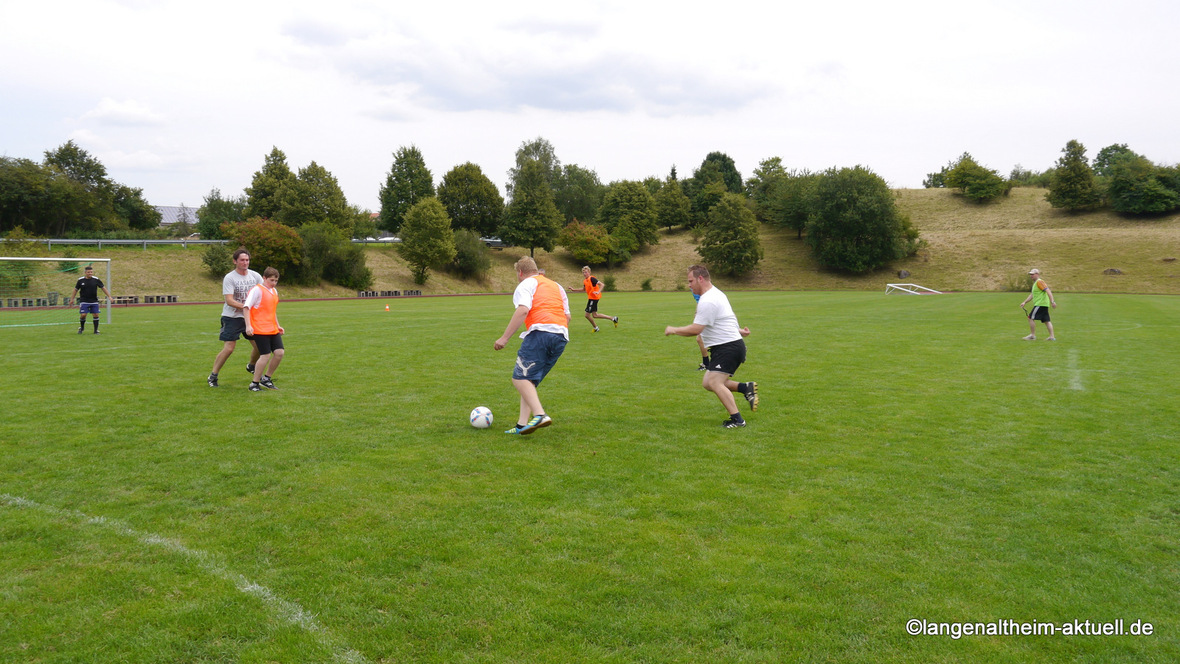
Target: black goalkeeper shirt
(87, 288)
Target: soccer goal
(36, 291)
(912, 289)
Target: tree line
(1118, 179)
(69, 193)
(300, 221)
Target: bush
(218, 260)
(471, 255)
(270, 244)
(348, 268)
(329, 254)
(646, 285)
(977, 183)
(587, 243)
(608, 283)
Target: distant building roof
(170, 214)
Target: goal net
(36, 291)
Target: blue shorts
(539, 351)
(88, 308)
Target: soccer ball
(481, 418)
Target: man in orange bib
(593, 288)
(262, 323)
(541, 305)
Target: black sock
(82, 323)
(736, 417)
(96, 325)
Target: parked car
(494, 242)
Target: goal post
(36, 290)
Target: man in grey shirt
(234, 288)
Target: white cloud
(127, 113)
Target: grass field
(912, 459)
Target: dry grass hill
(969, 247)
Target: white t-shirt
(255, 297)
(239, 286)
(524, 293)
(714, 312)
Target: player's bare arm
(513, 325)
(686, 331)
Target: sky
(179, 98)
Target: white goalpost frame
(912, 289)
(82, 262)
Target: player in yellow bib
(262, 322)
(1042, 298)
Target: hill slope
(969, 247)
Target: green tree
(854, 223)
(731, 245)
(408, 183)
(270, 244)
(789, 199)
(540, 151)
(578, 193)
(42, 199)
(1135, 186)
(135, 211)
(672, 207)
(723, 165)
(471, 199)
(628, 213)
(531, 218)
(587, 243)
(314, 195)
(262, 196)
(758, 187)
(427, 238)
(471, 255)
(1073, 187)
(977, 183)
(1104, 161)
(88, 194)
(363, 222)
(80, 166)
(216, 211)
(184, 222)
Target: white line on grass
(288, 611)
(1075, 374)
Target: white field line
(1075, 374)
(287, 611)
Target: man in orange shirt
(593, 288)
(262, 323)
(541, 305)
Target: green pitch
(912, 459)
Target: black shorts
(267, 343)
(727, 357)
(1040, 313)
(232, 327)
(591, 306)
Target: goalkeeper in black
(88, 286)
